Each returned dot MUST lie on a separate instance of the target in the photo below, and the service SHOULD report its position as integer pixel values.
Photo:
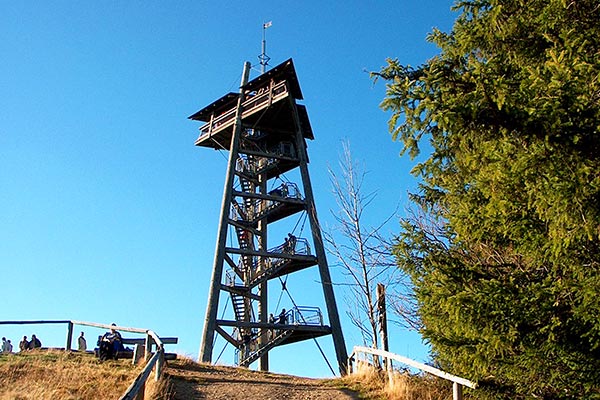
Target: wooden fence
(458, 382)
(153, 361)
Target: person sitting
(35, 343)
(110, 344)
(24, 344)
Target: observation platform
(264, 108)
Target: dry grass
(376, 385)
(60, 375)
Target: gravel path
(197, 381)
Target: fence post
(457, 391)
(149, 342)
(69, 335)
(159, 363)
(138, 353)
(350, 365)
(383, 331)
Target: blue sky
(108, 212)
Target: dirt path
(196, 381)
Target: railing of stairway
(153, 361)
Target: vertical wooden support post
(332, 311)
(210, 321)
(138, 353)
(263, 311)
(149, 342)
(457, 393)
(382, 311)
(349, 367)
(159, 363)
(69, 336)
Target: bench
(139, 344)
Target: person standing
(4, 346)
(81, 343)
(9, 347)
(271, 321)
(282, 317)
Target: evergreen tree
(505, 251)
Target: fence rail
(457, 382)
(153, 361)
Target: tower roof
(284, 71)
(219, 106)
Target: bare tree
(363, 251)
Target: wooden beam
(231, 263)
(36, 322)
(208, 332)
(315, 227)
(227, 336)
(107, 326)
(167, 340)
(69, 336)
(242, 292)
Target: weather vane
(263, 57)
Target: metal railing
(153, 361)
(457, 382)
(305, 315)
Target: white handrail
(458, 382)
(416, 364)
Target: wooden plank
(133, 389)
(226, 336)
(36, 322)
(164, 340)
(106, 326)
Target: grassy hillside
(373, 384)
(42, 375)
(53, 375)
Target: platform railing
(305, 315)
(252, 103)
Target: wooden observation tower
(265, 131)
